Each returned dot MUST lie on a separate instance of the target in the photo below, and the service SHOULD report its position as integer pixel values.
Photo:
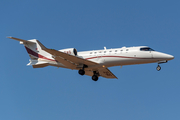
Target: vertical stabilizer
(36, 52)
(33, 47)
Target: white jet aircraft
(94, 63)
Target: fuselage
(116, 57)
(125, 56)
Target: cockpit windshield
(146, 49)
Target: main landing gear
(94, 77)
(81, 72)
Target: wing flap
(106, 73)
(103, 72)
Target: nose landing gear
(160, 62)
(158, 68)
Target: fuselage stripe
(117, 57)
(31, 52)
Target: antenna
(104, 48)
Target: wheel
(95, 77)
(81, 72)
(158, 68)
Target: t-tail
(38, 57)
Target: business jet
(93, 63)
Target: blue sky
(140, 93)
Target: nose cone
(169, 57)
(162, 56)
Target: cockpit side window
(146, 49)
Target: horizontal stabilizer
(21, 40)
(41, 65)
(38, 64)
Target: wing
(105, 72)
(72, 62)
(69, 60)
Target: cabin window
(110, 51)
(104, 51)
(127, 49)
(90, 52)
(146, 49)
(115, 50)
(95, 52)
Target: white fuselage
(124, 56)
(118, 57)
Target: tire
(158, 68)
(95, 77)
(81, 72)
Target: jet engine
(71, 51)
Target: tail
(38, 57)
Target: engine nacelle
(71, 51)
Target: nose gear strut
(160, 62)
